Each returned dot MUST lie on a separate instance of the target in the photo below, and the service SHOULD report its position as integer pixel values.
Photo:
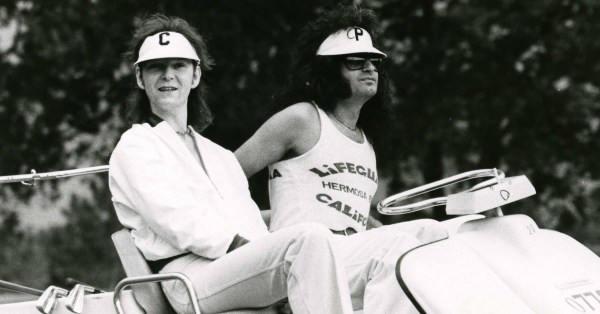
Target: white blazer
(171, 205)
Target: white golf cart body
(488, 264)
(101, 303)
(495, 264)
(502, 265)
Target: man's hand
(238, 241)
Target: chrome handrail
(31, 179)
(386, 205)
(155, 278)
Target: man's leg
(370, 259)
(297, 262)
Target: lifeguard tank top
(333, 183)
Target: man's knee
(424, 230)
(428, 223)
(310, 233)
(431, 230)
(312, 229)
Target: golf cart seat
(149, 295)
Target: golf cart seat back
(150, 295)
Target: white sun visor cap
(348, 41)
(166, 45)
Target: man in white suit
(186, 199)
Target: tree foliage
(505, 84)
(81, 249)
(477, 84)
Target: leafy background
(477, 84)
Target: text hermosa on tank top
(333, 183)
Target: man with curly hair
(319, 150)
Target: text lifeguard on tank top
(342, 167)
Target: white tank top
(333, 183)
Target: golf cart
(491, 263)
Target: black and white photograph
(306, 157)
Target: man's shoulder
(136, 132)
(302, 112)
(136, 135)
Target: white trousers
(297, 262)
(370, 259)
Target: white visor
(347, 41)
(166, 45)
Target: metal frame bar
(46, 303)
(31, 179)
(5, 285)
(155, 278)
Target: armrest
(155, 278)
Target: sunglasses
(359, 63)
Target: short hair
(319, 78)
(138, 104)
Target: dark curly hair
(138, 109)
(319, 79)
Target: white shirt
(170, 203)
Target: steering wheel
(388, 206)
